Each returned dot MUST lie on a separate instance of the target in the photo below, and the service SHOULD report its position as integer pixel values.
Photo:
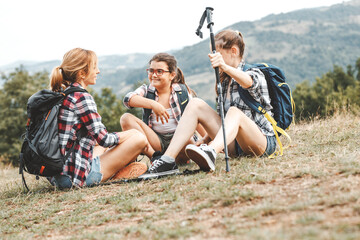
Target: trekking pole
(208, 15)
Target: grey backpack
(40, 152)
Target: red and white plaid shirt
(79, 111)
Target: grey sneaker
(204, 156)
(160, 168)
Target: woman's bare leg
(132, 143)
(246, 132)
(129, 121)
(197, 111)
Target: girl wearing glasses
(165, 80)
(247, 132)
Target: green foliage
(111, 109)
(18, 87)
(335, 90)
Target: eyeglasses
(158, 72)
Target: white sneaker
(204, 156)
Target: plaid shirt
(174, 103)
(79, 110)
(259, 91)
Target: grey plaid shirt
(258, 90)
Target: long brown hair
(75, 60)
(170, 60)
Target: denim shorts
(94, 176)
(270, 147)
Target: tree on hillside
(18, 87)
(335, 89)
(357, 66)
(110, 108)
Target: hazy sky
(42, 30)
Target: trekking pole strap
(206, 15)
(201, 23)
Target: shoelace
(156, 164)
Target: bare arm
(141, 102)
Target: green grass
(312, 192)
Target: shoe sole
(200, 158)
(157, 175)
(133, 170)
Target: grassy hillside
(312, 192)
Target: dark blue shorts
(270, 147)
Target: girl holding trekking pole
(247, 132)
(98, 155)
(166, 80)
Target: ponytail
(179, 78)
(56, 80)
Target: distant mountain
(304, 43)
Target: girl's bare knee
(126, 119)
(195, 104)
(139, 139)
(235, 110)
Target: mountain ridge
(305, 43)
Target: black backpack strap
(74, 89)
(150, 94)
(183, 97)
(21, 170)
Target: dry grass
(312, 192)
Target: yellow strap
(276, 130)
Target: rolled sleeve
(255, 90)
(140, 91)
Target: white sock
(167, 159)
